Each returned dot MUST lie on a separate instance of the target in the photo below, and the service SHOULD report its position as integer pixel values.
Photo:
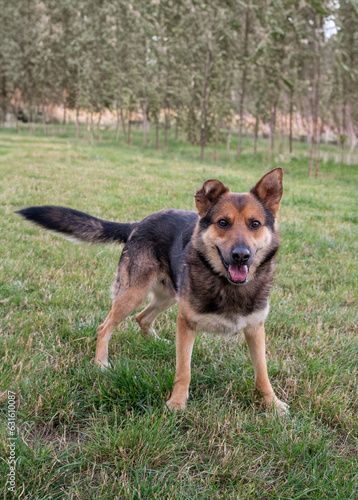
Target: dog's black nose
(241, 255)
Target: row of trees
(197, 65)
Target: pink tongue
(238, 273)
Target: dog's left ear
(208, 195)
(269, 189)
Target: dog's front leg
(184, 347)
(255, 338)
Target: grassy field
(86, 434)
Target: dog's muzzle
(238, 272)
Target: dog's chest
(227, 324)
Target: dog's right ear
(208, 195)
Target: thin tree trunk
(192, 136)
(306, 118)
(318, 150)
(117, 124)
(312, 151)
(342, 138)
(44, 118)
(217, 130)
(350, 130)
(53, 117)
(64, 116)
(123, 121)
(77, 123)
(145, 125)
(273, 128)
(91, 127)
(228, 140)
(344, 115)
(177, 121)
(145, 105)
(129, 126)
(167, 105)
(31, 120)
(17, 105)
(204, 103)
(33, 127)
(243, 83)
(165, 131)
(314, 104)
(192, 118)
(167, 125)
(256, 131)
(4, 111)
(3, 115)
(313, 145)
(99, 126)
(3, 100)
(157, 132)
(290, 128)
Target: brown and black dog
(218, 264)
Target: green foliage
(148, 61)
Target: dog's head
(236, 231)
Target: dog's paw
(281, 407)
(277, 405)
(103, 364)
(175, 405)
(158, 338)
(150, 333)
(162, 339)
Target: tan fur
(184, 348)
(123, 305)
(255, 338)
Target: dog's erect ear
(269, 189)
(208, 195)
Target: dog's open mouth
(235, 274)
(238, 274)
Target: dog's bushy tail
(78, 225)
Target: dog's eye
(255, 224)
(223, 223)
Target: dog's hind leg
(123, 305)
(163, 298)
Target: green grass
(87, 434)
